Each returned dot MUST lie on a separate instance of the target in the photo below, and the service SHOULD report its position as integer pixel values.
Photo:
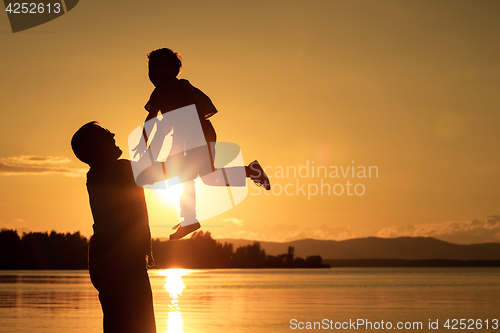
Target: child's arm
(141, 147)
(148, 127)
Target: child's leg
(190, 170)
(188, 203)
(236, 176)
(188, 211)
(196, 161)
(232, 176)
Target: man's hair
(85, 140)
(171, 58)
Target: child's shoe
(257, 174)
(184, 230)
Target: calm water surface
(211, 301)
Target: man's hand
(150, 260)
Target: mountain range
(408, 248)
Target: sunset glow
(171, 195)
(338, 163)
(406, 87)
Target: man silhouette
(120, 248)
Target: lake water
(267, 300)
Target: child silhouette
(170, 94)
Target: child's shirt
(178, 94)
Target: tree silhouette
(249, 256)
(10, 250)
(37, 250)
(199, 251)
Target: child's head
(164, 65)
(95, 145)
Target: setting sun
(171, 194)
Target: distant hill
(409, 248)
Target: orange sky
(410, 87)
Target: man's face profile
(107, 148)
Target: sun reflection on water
(175, 322)
(174, 286)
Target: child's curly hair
(168, 57)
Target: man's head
(164, 65)
(95, 145)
